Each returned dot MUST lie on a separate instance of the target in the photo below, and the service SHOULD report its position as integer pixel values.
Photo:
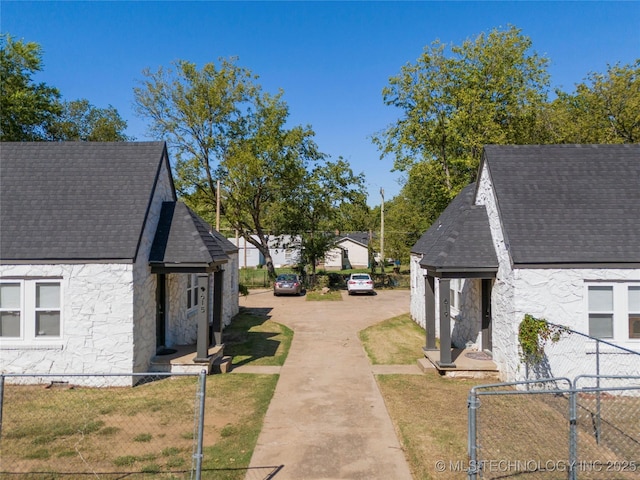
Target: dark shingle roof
(568, 204)
(184, 239)
(460, 240)
(359, 237)
(75, 200)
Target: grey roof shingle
(75, 200)
(184, 239)
(460, 240)
(359, 237)
(568, 204)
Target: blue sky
(332, 59)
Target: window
(192, 290)
(634, 311)
(614, 310)
(30, 309)
(10, 310)
(601, 311)
(455, 292)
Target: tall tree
(321, 197)
(81, 121)
(221, 126)
(27, 108)
(455, 100)
(262, 173)
(200, 113)
(605, 108)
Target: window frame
(621, 322)
(29, 311)
(192, 291)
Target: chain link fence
(555, 429)
(575, 353)
(54, 426)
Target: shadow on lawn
(248, 338)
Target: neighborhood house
(101, 267)
(552, 231)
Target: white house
(284, 250)
(101, 267)
(552, 231)
(350, 251)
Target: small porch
(184, 359)
(465, 363)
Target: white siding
(97, 316)
(144, 292)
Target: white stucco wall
(144, 291)
(97, 322)
(558, 295)
(465, 317)
(231, 306)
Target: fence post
(573, 435)
(472, 405)
(202, 394)
(598, 413)
(1, 401)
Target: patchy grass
(429, 413)
(158, 439)
(396, 341)
(330, 296)
(229, 456)
(253, 338)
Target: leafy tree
(262, 174)
(604, 109)
(79, 120)
(28, 108)
(200, 113)
(221, 126)
(455, 100)
(33, 111)
(323, 195)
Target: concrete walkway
(327, 419)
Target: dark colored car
(287, 284)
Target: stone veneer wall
(560, 297)
(97, 322)
(144, 290)
(505, 333)
(465, 319)
(231, 307)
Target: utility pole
(218, 206)
(382, 231)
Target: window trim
(28, 312)
(192, 291)
(620, 312)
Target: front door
(161, 298)
(487, 344)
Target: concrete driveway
(327, 419)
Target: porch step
(182, 360)
(222, 364)
(468, 364)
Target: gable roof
(76, 201)
(459, 241)
(568, 204)
(183, 241)
(361, 238)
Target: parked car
(287, 284)
(360, 283)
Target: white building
(552, 231)
(100, 266)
